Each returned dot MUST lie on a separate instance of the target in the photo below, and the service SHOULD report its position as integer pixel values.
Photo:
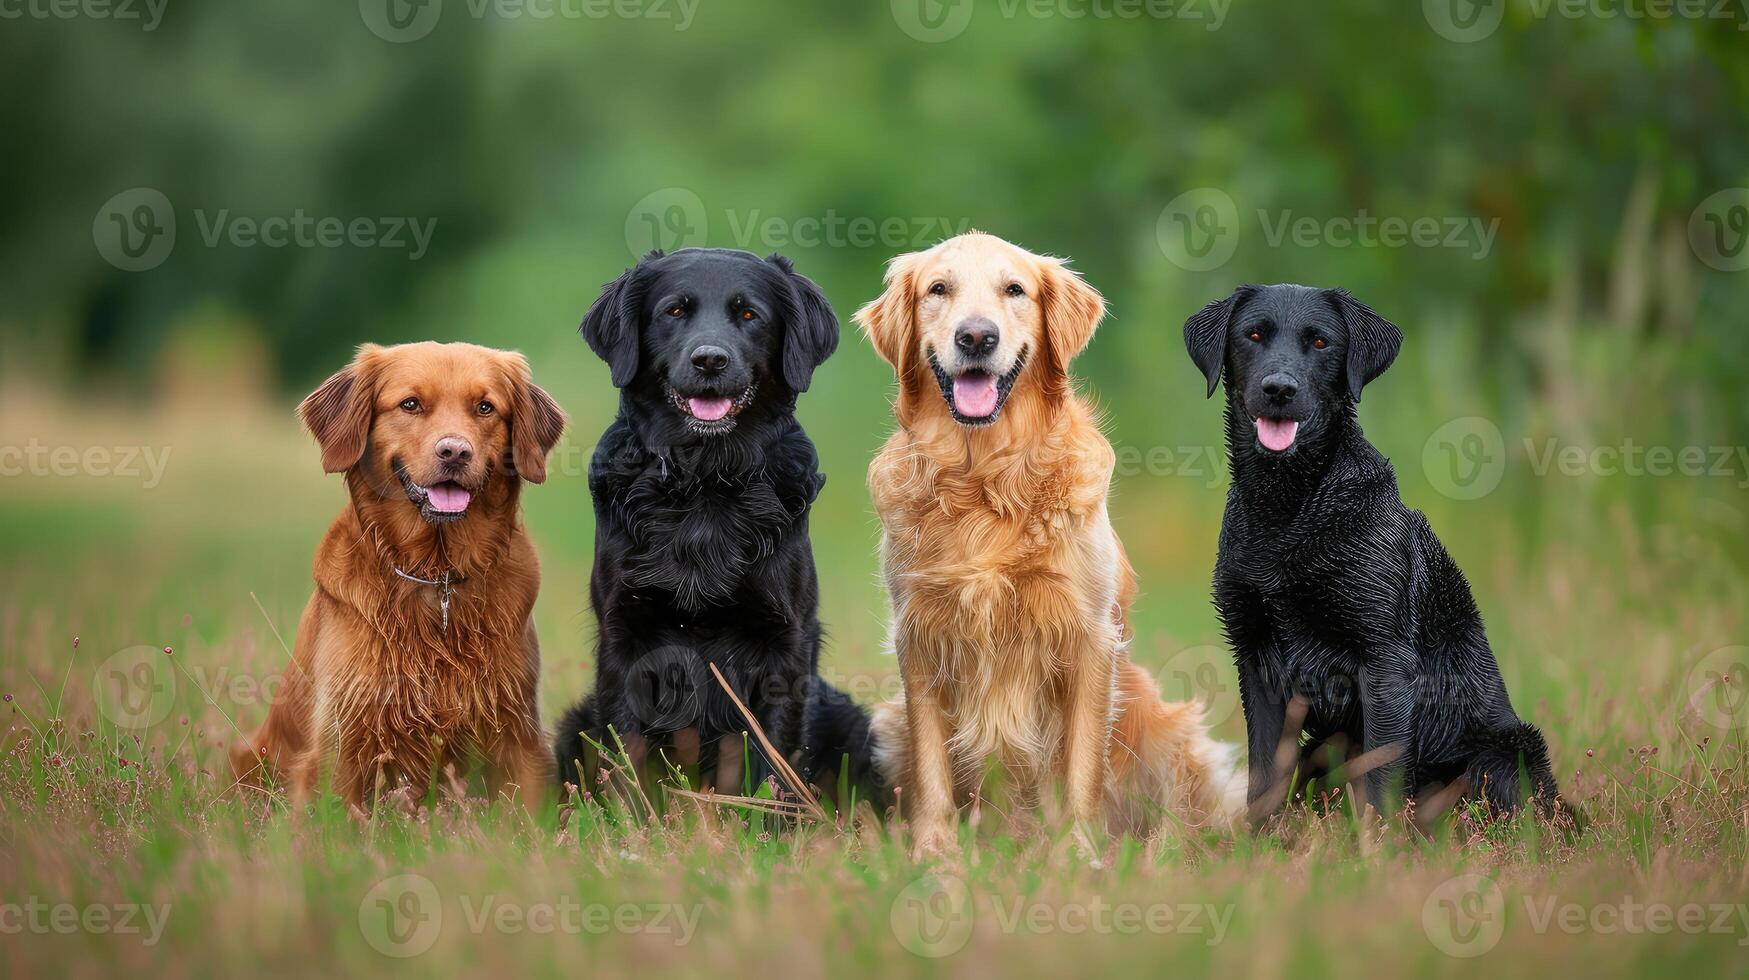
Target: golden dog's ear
(1072, 310)
(339, 412)
(890, 319)
(536, 422)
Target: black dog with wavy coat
(1335, 596)
(702, 488)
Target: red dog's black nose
(976, 337)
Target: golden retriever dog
(1009, 588)
(417, 652)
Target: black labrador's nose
(1280, 386)
(976, 337)
(710, 359)
(455, 450)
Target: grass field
(144, 618)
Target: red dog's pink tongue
(1276, 434)
(709, 409)
(974, 395)
(447, 498)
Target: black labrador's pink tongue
(709, 409)
(974, 395)
(1276, 434)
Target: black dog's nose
(709, 359)
(455, 450)
(1280, 386)
(976, 337)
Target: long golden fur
(382, 692)
(1009, 587)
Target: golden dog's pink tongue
(1276, 434)
(974, 395)
(448, 498)
(709, 409)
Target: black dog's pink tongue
(1276, 434)
(974, 395)
(709, 409)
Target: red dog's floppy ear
(339, 412)
(536, 422)
(1073, 310)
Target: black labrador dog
(1343, 610)
(702, 487)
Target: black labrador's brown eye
(1320, 343)
(676, 311)
(1255, 336)
(938, 289)
(749, 316)
(1015, 289)
(410, 405)
(484, 408)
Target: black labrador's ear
(611, 326)
(810, 328)
(1373, 341)
(1205, 335)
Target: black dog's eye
(749, 316)
(938, 289)
(484, 408)
(1320, 343)
(677, 311)
(1015, 289)
(1255, 336)
(410, 405)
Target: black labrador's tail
(838, 749)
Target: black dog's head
(709, 334)
(1295, 358)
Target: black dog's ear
(1205, 335)
(1373, 341)
(810, 328)
(611, 326)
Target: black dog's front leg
(1387, 704)
(1265, 707)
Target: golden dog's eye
(1255, 336)
(484, 408)
(938, 289)
(1320, 343)
(1015, 289)
(410, 405)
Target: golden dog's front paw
(933, 840)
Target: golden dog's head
(982, 321)
(440, 424)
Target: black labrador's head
(1295, 359)
(709, 334)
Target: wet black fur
(1328, 587)
(702, 553)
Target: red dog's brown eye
(410, 405)
(485, 408)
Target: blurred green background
(464, 170)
